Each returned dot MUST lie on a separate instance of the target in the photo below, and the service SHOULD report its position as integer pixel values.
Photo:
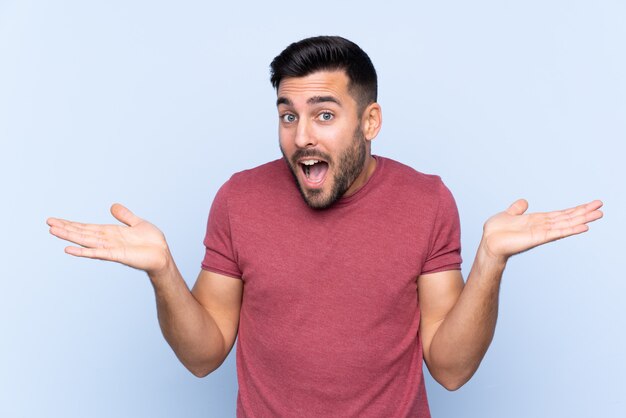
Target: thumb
(122, 214)
(518, 207)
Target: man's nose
(304, 137)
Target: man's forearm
(462, 339)
(457, 346)
(186, 325)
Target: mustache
(310, 153)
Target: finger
(85, 239)
(58, 222)
(518, 207)
(588, 209)
(96, 253)
(85, 228)
(124, 215)
(555, 234)
(569, 222)
(577, 210)
(75, 226)
(54, 221)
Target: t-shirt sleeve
(220, 253)
(445, 242)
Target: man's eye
(325, 116)
(288, 118)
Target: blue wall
(154, 104)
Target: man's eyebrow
(311, 100)
(322, 99)
(283, 100)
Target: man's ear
(371, 121)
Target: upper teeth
(310, 162)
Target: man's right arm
(200, 326)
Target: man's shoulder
(404, 176)
(262, 175)
(272, 180)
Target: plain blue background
(155, 104)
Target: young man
(320, 277)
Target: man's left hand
(512, 232)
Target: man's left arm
(458, 320)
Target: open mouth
(314, 170)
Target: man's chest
(345, 258)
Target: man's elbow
(454, 380)
(203, 369)
(199, 372)
(453, 384)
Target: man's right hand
(201, 327)
(137, 243)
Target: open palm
(137, 243)
(511, 232)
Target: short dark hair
(329, 53)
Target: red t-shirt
(330, 315)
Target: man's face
(321, 138)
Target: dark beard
(350, 164)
